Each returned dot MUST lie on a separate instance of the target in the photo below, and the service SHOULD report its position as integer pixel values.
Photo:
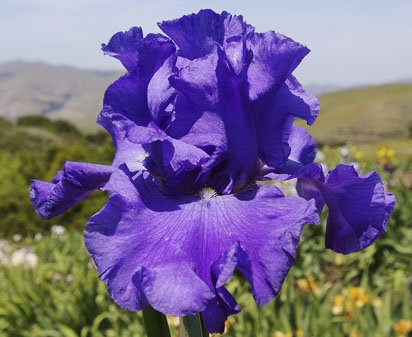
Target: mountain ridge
(58, 92)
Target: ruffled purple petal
(175, 289)
(129, 95)
(215, 95)
(129, 139)
(300, 103)
(307, 186)
(196, 34)
(274, 120)
(125, 47)
(359, 209)
(169, 157)
(274, 58)
(140, 229)
(137, 101)
(302, 145)
(160, 93)
(73, 184)
(218, 310)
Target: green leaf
(192, 326)
(155, 323)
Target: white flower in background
(4, 259)
(344, 154)
(58, 231)
(344, 150)
(57, 277)
(4, 246)
(69, 279)
(320, 157)
(38, 236)
(24, 257)
(17, 237)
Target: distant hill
(321, 89)
(362, 114)
(58, 92)
(365, 114)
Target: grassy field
(365, 115)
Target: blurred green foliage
(36, 148)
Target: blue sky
(352, 42)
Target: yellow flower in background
(339, 259)
(313, 285)
(385, 156)
(307, 285)
(348, 311)
(403, 327)
(377, 303)
(354, 333)
(299, 332)
(381, 152)
(303, 285)
(282, 334)
(358, 155)
(390, 153)
(338, 303)
(358, 297)
(354, 297)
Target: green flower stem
(192, 326)
(155, 323)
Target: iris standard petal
(73, 184)
(142, 228)
(169, 157)
(303, 146)
(196, 34)
(129, 94)
(160, 93)
(127, 152)
(125, 47)
(137, 100)
(300, 103)
(274, 119)
(214, 91)
(274, 58)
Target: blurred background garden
(49, 285)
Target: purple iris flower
(201, 121)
